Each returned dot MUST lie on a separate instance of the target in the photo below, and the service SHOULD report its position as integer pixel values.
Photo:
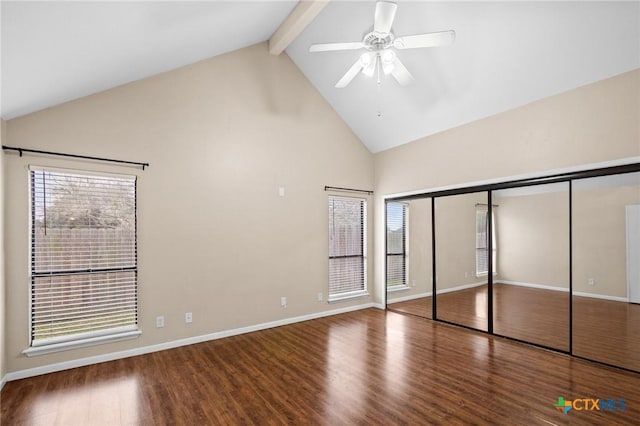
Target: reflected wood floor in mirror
(604, 330)
(607, 331)
(533, 315)
(364, 367)
(420, 307)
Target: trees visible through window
(347, 247)
(396, 245)
(83, 256)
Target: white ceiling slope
(506, 54)
(56, 51)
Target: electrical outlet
(283, 302)
(320, 297)
(159, 322)
(413, 283)
(188, 317)
(591, 282)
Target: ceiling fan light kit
(379, 44)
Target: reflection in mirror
(531, 284)
(462, 259)
(606, 269)
(409, 270)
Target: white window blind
(482, 243)
(83, 256)
(347, 246)
(396, 244)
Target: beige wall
(214, 236)
(594, 123)
(599, 234)
(456, 240)
(533, 237)
(2, 279)
(591, 124)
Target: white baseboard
(66, 365)
(407, 298)
(565, 290)
(515, 283)
(2, 382)
(428, 294)
(531, 285)
(601, 296)
(460, 287)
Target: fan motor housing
(375, 41)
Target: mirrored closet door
(552, 261)
(606, 269)
(462, 257)
(531, 277)
(409, 257)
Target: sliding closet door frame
(518, 183)
(434, 296)
(571, 267)
(569, 326)
(489, 239)
(434, 305)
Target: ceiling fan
(379, 44)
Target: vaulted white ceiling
(506, 54)
(55, 51)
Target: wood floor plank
(366, 367)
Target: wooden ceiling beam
(301, 16)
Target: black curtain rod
(335, 188)
(60, 154)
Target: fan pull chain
(379, 96)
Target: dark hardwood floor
(603, 330)
(364, 367)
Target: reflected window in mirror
(482, 242)
(397, 245)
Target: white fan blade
(441, 38)
(401, 73)
(350, 75)
(383, 19)
(369, 67)
(328, 47)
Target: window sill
(347, 296)
(91, 341)
(398, 288)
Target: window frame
(93, 337)
(363, 290)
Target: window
(83, 259)
(397, 245)
(347, 247)
(482, 244)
